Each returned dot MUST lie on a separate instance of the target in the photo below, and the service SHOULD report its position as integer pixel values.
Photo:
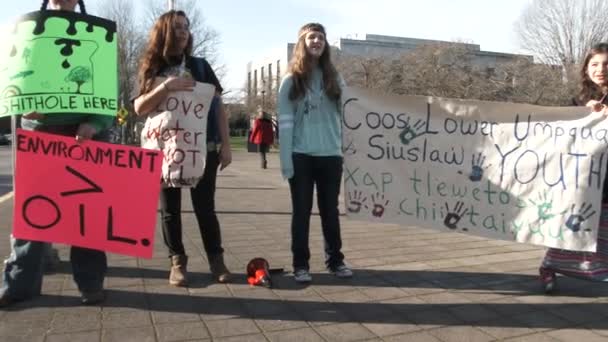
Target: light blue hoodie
(311, 125)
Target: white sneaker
(342, 271)
(302, 276)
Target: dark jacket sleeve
(204, 73)
(211, 77)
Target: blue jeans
(24, 268)
(326, 174)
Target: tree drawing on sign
(79, 75)
(26, 55)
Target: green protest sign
(59, 62)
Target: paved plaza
(410, 284)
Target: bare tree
(267, 101)
(373, 72)
(528, 82)
(130, 45)
(449, 70)
(206, 40)
(560, 32)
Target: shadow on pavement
(537, 315)
(497, 283)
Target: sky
(250, 30)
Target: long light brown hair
(588, 89)
(301, 67)
(160, 50)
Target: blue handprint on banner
(575, 220)
(477, 167)
(411, 132)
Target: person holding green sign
(23, 272)
(168, 54)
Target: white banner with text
(500, 170)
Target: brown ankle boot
(179, 276)
(218, 268)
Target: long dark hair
(301, 67)
(588, 89)
(45, 4)
(159, 50)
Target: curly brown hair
(588, 89)
(160, 50)
(301, 67)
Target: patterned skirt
(584, 265)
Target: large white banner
(506, 171)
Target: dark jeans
(325, 173)
(24, 268)
(263, 149)
(203, 202)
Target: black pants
(325, 173)
(203, 202)
(263, 149)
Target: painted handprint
(355, 201)
(453, 216)
(543, 206)
(477, 167)
(575, 220)
(411, 132)
(379, 204)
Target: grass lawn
(240, 143)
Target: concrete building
(264, 76)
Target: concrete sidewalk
(410, 284)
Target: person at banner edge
(168, 53)
(593, 93)
(262, 135)
(309, 103)
(23, 270)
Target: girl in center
(311, 148)
(168, 54)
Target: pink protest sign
(91, 194)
